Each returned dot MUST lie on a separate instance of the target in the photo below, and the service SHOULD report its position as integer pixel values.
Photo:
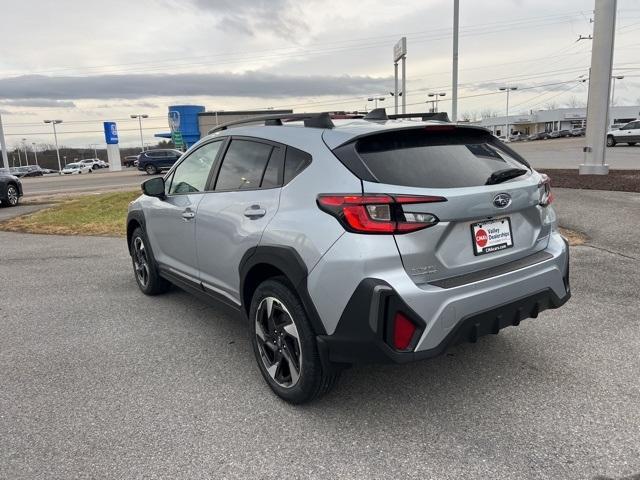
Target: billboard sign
(174, 120)
(400, 49)
(110, 133)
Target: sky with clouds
(85, 61)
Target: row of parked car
(519, 137)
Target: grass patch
(102, 214)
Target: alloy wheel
(278, 342)
(12, 195)
(140, 261)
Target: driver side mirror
(154, 187)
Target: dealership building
(552, 120)
(193, 121)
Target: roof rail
(311, 120)
(439, 116)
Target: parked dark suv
(153, 161)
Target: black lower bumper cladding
(363, 330)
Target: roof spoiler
(311, 120)
(380, 114)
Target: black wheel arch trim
(290, 263)
(134, 216)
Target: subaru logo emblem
(502, 200)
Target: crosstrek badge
(491, 236)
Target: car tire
(631, 144)
(151, 169)
(285, 344)
(12, 196)
(95, 167)
(611, 142)
(145, 268)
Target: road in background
(98, 181)
(567, 153)
(101, 381)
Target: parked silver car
(366, 240)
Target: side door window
(192, 174)
(244, 165)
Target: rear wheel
(285, 345)
(151, 169)
(95, 166)
(631, 144)
(611, 142)
(144, 265)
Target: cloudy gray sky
(87, 61)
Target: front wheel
(144, 265)
(12, 196)
(611, 142)
(631, 144)
(285, 345)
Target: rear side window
(296, 161)
(435, 159)
(243, 165)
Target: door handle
(255, 211)
(188, 214)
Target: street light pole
(35, 152)
(55, 137)
(507, 89)
(613, 99)
(140, 116)
(26, 154)
(3, 146)
(375, 99)
(434, 103)
(454, 76)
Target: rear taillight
(379, 213)
(403, 331)
(544, 186)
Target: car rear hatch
(480, 200)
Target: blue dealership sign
(110, 133)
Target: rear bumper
(445, 317)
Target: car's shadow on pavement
(502, 365)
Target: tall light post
(507, 89)
(35, 152)
(140, 116)
(375, 99)
(613, 99)
(26, 154)
(55, 137)
(434, 103)
(3, 146)
(95, 150)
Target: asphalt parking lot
(99, 381)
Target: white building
(553, 120)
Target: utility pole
(395, 90)
(3, 145)
(454, 79)
(610, 119)
(604, 25)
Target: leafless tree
(488, 113)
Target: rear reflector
(378, 213)
(403, 331)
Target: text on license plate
(491, 235)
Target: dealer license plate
(491, 236)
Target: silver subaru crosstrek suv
(374, 239)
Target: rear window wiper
(504, 175)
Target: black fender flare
(137, 216)
(289, 262)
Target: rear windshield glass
(435, 159)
